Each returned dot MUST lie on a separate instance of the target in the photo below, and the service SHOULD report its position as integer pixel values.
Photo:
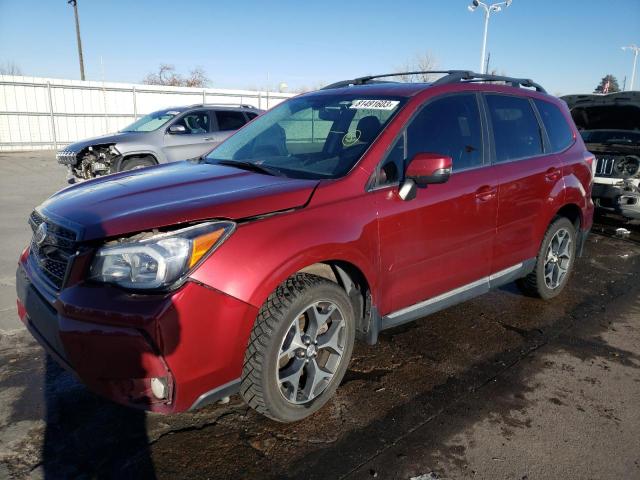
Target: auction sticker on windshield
(373, 104)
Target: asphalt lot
(26, 179)
(503, 386)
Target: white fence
(45, 113)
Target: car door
(443, 238)
(226, 122)
(527, 177)
(191, 139)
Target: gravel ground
(503, 386)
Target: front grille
(604, 166)
(66, 157)
(52, 252)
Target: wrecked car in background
(164, 136)
(610, 127)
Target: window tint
(195, 122)
(450, 126)
(515, 128)
(230, 120)
(251, 115)
(559, 132)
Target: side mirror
(425, 169)
(177, 129)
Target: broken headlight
(160, 261)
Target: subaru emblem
(41, 234)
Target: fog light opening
(159, 387)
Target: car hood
(171, 194)
(105, 139)
(615, 111)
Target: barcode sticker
(373, 104)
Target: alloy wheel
(558, 259)
(311, 352)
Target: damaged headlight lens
(160, 261)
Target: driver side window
(195, 122)
(449, 126)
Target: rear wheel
(554, 263)
(299, 348)
(135, 163)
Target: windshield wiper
(249, 166)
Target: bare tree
(10, 68)
(419, 63)
(167, 75)
(197, 78)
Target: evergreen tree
(613, 85)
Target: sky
(565, 45)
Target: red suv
(335, 215)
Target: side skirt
(458, 295)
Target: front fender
(130, 150)
(262, 254)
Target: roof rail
(240, 105)
(450, 76)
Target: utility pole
(74, 3)
(635, 49)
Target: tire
(134, 163)
(283, 343)
(554, 263)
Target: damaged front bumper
(190, 342)
(621, 198)
(90, 162)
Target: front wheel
(554, 263)
(299, 348)
(135, 163)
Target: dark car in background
(167, 135)
(610, 127)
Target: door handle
(208, 139)
(485, 193)
(552, 174)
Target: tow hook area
(629, 201)
(622, 198)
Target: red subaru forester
(333, 216)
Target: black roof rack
(450, 76)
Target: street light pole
(635, 49)
(74, 3)
(488, 10)
(484, 40)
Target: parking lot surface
(504, 386)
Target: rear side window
(558, 130)
(450, 126)
(516, 131)
(251, 115)
(230, 120)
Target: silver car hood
(119, 137)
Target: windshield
(151, 122)
(611, 136)
(315, 136)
